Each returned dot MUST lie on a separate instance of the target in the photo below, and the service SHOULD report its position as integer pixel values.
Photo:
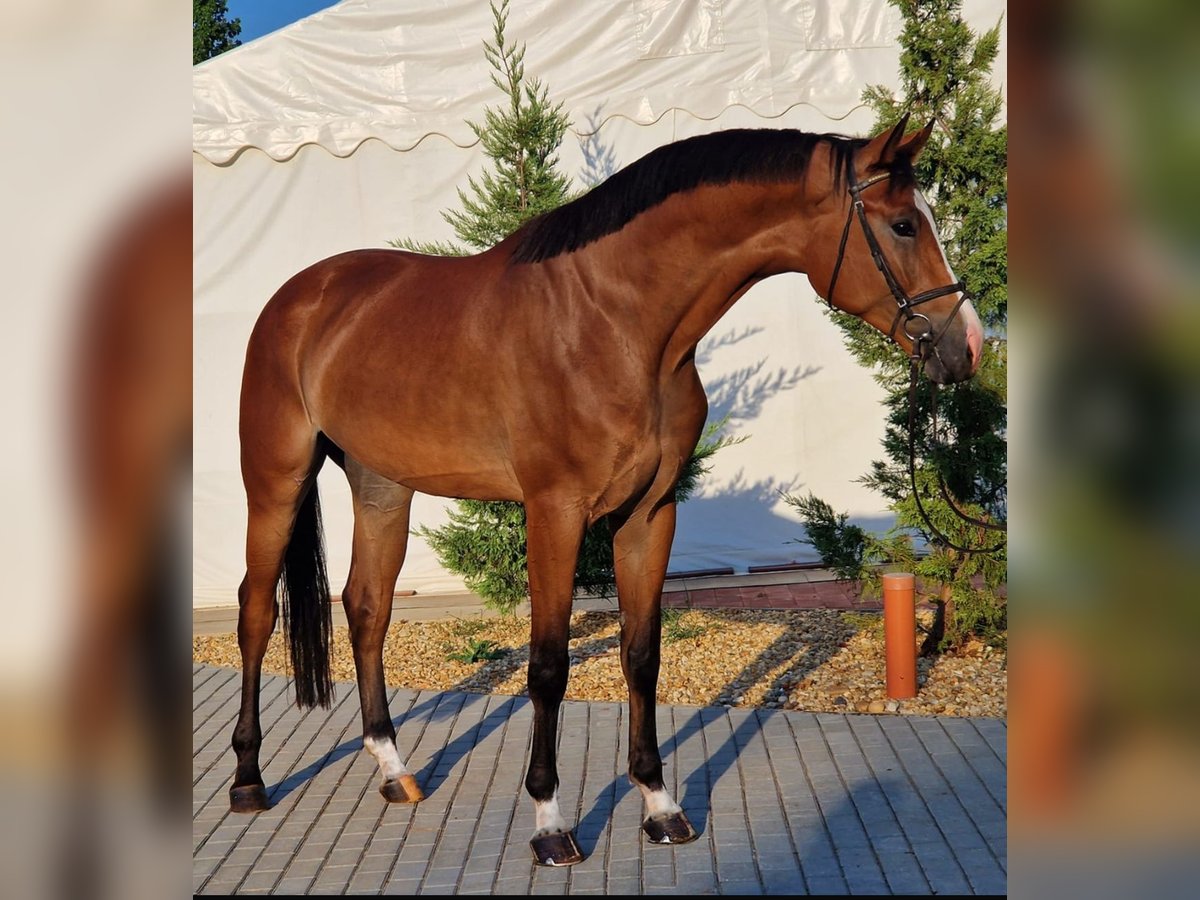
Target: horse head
(888, 266)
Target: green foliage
(521, 138)
(678, 626)
(868, 622)
(840, 545)
(700, 462)
(212, 31)
(963, 170)
(477, 650)
(484, 541)
(469, 628)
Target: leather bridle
(924, 343)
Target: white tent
(348, 128)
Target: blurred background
(1105, 415)
(95, 256)
(1105, 420)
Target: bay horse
(556, 369)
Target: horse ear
(914, 145)
(882, 148)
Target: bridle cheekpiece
(926, 340)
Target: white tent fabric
(348, 128)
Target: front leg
(554, 535)
(641, 549)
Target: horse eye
(904, 228)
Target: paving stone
(441, 876)
(787, 802)
(295, 886)
(405, 886)
(740, 888)
(476, 884)
(367, 882)
(586, 880)
(257, 880)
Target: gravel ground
(815, 660)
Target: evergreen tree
(212, 31)
(963, 170)
(484, 541)
(521, 138)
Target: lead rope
(905, 304)
(912, 473)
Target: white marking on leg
(659, 803)
(385, 753)
(547, 817)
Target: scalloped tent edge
(399, 71)
(282, 152)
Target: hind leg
(274, 489)
(381, 510)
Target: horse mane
(743, 154)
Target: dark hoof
(401, 790)
(669, 828)
(556, 850)
(249, 798)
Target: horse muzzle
(952, 352)
(951, 361)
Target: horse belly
(446, 464)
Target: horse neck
(685, 262)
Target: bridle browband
(923, 344)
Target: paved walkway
(785, 802)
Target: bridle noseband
(924, 341)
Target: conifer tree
(484, 541)
(213, 32)
(521, 138)
(963, 172)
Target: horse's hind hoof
(249, 798)
(669, 828)
(556, 849)
(401, 790)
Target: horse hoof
(669, 828)
(556, 849)
(401, 790)
(248, 798)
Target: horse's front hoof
(402, 790)
(556, 849)
(669, 828)
(248, 798)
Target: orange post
(900, 634)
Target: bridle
(924, 343)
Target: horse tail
(304, 592)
